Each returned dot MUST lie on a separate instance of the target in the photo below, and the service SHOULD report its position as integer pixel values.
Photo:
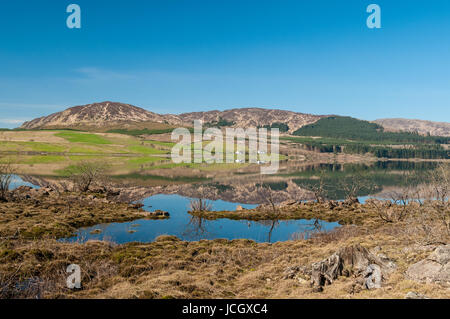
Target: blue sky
(172, 56)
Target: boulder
(433, 269)
(372, 277)
(239, 208)
(415, 295)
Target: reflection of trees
(306, 230)
(196, 228)
(271, 224)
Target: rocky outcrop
(434, 269)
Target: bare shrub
(430, 223)
(200, 205)
(319, 190)
(273, 217)
(440, 183)
(6, 173)
(357, 183)
(387, 211)
(87, 174)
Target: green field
(76, 137)
(53, 151)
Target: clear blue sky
(172, 56)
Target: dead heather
(345, 214)
(170, 268)
(33, 261)
(32, 214)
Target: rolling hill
(95, 116)
(109, 115)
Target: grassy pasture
(52, 152)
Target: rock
(415, 295)
(296, 272)
(239, 208)
(434, 269)
(441, 255)
(351, 260)
(373, 277)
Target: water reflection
(191, 228)
(196, 228)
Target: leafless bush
(355, 185)
(440, 183)
(387, 211)
(430, 223)
(267, 193)
(6, 173)
(319, 190)
(200, 205)
(87, 174)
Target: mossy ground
(357, 214)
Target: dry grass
(57, 215)
(33, 262)
(169, 268)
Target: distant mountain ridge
(108, 113)
(420, 126)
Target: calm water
(16, 181)
(187, 227)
